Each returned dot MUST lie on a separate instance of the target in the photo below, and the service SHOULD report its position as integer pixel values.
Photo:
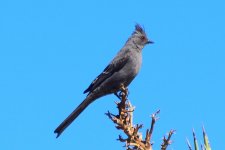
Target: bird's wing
(113, 67)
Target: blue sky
(50, 52)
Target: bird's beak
(149, 42)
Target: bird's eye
(142, 37)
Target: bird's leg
(122, 95)
(117, 95)
(123, 91)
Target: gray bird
(121, 71)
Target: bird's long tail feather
(73, 116)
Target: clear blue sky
(50, 52)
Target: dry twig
(167, 141)
(124, 121)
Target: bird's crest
(140, 29)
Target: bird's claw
(117, 95)
(123, 91)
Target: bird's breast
(132, 68)
(136, 61)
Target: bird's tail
(73, 116)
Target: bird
(120, 72)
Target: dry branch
(124, 121)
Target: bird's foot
(117, 95)
(122, 93)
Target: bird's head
(139, 36)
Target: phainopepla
(121, 71)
